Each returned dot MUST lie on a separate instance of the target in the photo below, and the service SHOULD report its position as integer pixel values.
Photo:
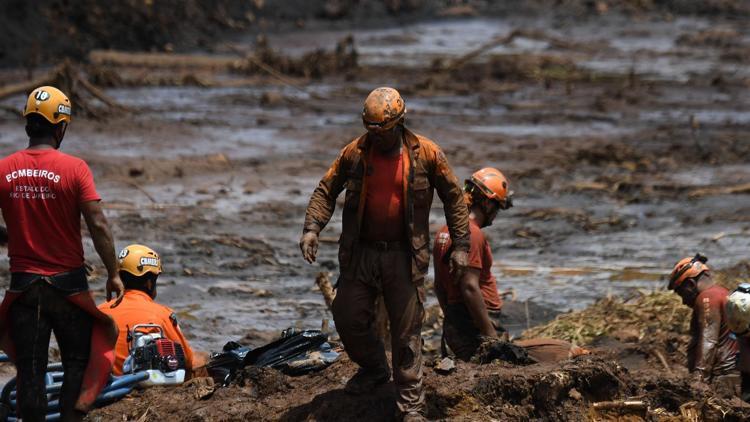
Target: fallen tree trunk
(68, 78)
(25, 87)
(168, 60)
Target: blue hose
(53, 388)
(128, 380)
(112, 395)
(51, 405)
(118, 388)
(53, 417)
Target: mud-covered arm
(323, 200)
(472, 297)
(707, 337)
(451, 194)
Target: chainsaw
(152, 352)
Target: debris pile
(651, 314)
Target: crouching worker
(738, 319)
(712, 350)
(140, 267)
(471, 303)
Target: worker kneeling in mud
(140, 267)
(737, 310)
(712, 350)
(471, 303)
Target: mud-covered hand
(308, 244)
(458, 263)
(115, 286)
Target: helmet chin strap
(59, 138)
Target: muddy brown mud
(624, 137)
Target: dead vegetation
(650, 314)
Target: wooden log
(168, 60)
(721, 190)
(326, 289)
(620, 404)
(25, 87)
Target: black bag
(277, 354)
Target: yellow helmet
(384, 108)
(139, 260)
(50, 103)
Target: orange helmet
(384, 108)
(688, 268)
(50, 103)
(493, 184)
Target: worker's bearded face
(688, 291)
(385, 140)
(490, 208)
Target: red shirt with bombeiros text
(41, 192)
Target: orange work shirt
(480, 257)
(383, 218)
(138, 307)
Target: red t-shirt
(384, 211)
(480, 257)
(40, 195)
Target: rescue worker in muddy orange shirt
(140, 267)
(471, 304)
(43, 193)
(712, 351)
(389, 175)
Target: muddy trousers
(745, 386)
(387, 273)
(40, 310)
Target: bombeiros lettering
(40, 173)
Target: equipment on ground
(295, 353)
(153, 353)
(738, 310)
(384, 108)
(688, 268)
(117, 388)
(50, 103)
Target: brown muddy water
(619, 170)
